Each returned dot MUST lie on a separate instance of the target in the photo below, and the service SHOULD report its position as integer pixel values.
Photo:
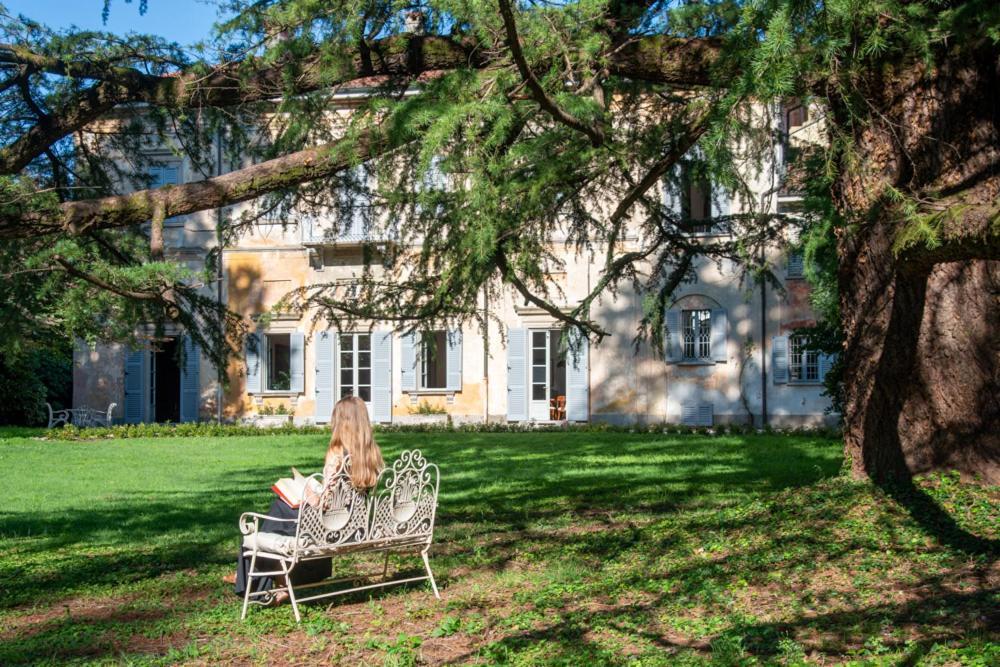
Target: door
(356, 367)
(548, 376)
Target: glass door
(547, 370)
(356, 367)
(538, 407)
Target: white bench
(396, 516)
(80, 417)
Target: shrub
(215, 430)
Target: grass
(573, 548)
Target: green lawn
(552, 548)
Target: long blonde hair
(352, 436)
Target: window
(356, 366)
(796, 115)
(803, 364)
(696, 326)
(434, 360)
(165, 174)
(796, 265)
(278, 353)
(696, 200)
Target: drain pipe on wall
(763, 347)
(219, 375)
(486, 354)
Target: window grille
(697, 328)
(803, 363)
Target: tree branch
(657, 59)
(72, 270)
(80, 217)
(538, 93)
(511, 276)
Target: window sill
(431, 392)
(805, 383)
(697, 362)
(274, 393)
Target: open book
(293, 489)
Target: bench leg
(246, 595)
(385, 565)
(291, 593)
(430, 575)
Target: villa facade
(731, 355)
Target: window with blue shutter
(136, 386)
(577, 379)
(779, 359)
(721, 202)
(720, 333)
(297, 361)
(825, 364)
(191, 381)
(323, 378)
(253, 363)
(381, 376)
(672, 336)
(796, 265)
(517, 375)
(408, 362)
(453, 361)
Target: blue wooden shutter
(254, 353)
(671, 192)
(164, 175)
(517, 374)
(191, 381)
(720, 330)
(297, 361)
(689, 413)
(720, 202)
(136, 370)
(453, 362)
(796, 265)
(323, 379)
(577, 379)
(382, 376)
(705, 414)
(825, 362)
(408, 362)
(779, 359)
(672, 336)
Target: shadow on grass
(637, 505)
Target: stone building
(730, 355)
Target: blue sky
(183, 21)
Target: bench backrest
(341, 516)
(403, 504)
(405, 500)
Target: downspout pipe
(219, 376)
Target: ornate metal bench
(81, 417)
(396, 516)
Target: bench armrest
(248, 528)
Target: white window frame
(801, 361)
(265, 360)
(696, 345)
(355, 366)
(425, 360)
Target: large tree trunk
(922, 323)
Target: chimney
(413, 22)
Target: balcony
(358, 231)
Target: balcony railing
(357, 231)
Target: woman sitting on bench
(352, 436)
